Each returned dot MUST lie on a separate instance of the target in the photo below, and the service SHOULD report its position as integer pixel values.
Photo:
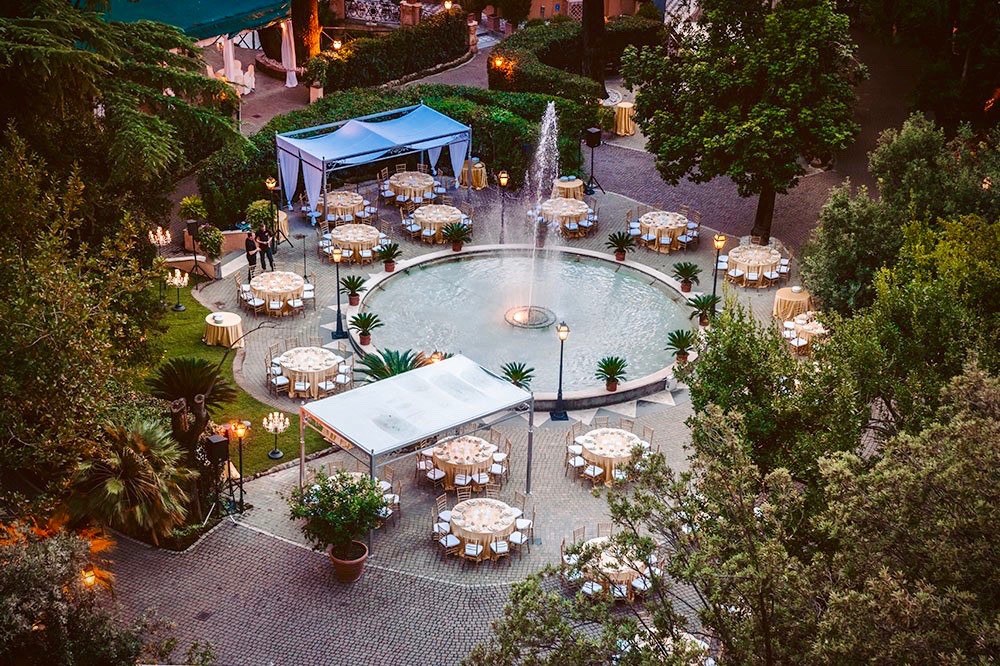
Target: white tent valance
(319, 150)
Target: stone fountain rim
(544, 400)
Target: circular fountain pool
(470, 304)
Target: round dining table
(436, 216)
(662, 223)
(411, 183)
(344, 203)
(465, 454)
(355, 237)
(482, 520)
(563, 210)
(281, 286)
(606, 566)
(754, 259)
(224, 329)
(788, 303)
(608, 448)
(624, 123)
(808, 327)
(309, 364)
(567, 189)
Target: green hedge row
(546, 58)
(372, 61)
(504, 133)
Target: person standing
(251, 247)
(264, 247)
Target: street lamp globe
(270, 183)
(338, 254)
(719, 241)
(503, 178)
(562, 330)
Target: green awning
(201, 19)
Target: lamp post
(559, 413)
(275, 423)
(160, 238)
(302, 237)
(719, 241)
(239, 430)
(502, 179)
(178, 280)
(339, 334)
(270, 183)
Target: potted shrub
(259, 213)
(388, 254)
(209, 239)
(680, 342)
(456, 233)
(337, 511)
(704, 307)
(192, 209)
(612, 370)
(518, 374)
(686, 273)
(353, 285)
(621, 242)
(364, 323)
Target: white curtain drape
(289, 174)
(433, 154)
(229, 61)
(457, 151)
(288, 54)
(314, 183)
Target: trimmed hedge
(504, 133)
(547, 58)
(372, 61)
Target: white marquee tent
(384, 417)
(325, 148)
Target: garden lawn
(182, 337)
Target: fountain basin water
(458, 302)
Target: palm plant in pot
(621, 242)
(336, 512)
(385, 363)
(704, 307)
(352, 285)
(388, 254)
(681, 342)
(364, 323)
(612, 370)
(518, 374)
(456, 233)
(686, 272)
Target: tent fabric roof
(359, 141)
(201, 19)
(393, 413)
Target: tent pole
(324, 198)
(371, 475)
(302, 448)
(531, 442)
(468, 160)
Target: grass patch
(182, 337)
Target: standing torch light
(719, 242)
(559, 413)
(270, 183)
(275, 423)
(160, 238)
(178, 281)
(503, 178)
(239, 430)
(338, 334)
(337, 44)
(89, 576)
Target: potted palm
(192, 209)
(680, 342)
(364, 323)
(612, 370)
(456, 233)
(518, 374)
(336, 512)
(686, 272)
(353, 285)
(388, 254)
(621, 242)
(704, 307)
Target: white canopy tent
(384, 417)
(325, 148)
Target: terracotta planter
(612, 386)
(348, 571)
(685, 286)
(682, 358)
(703, 320)
(353, 299)
(619, 255)
(390, 266)
(365, 340)
(456, 246)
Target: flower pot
(682, 358)
(619, 255)
(703, 320)
(353, 299)
(348, 571)
(390, 266)
(456, 246)
(611, 385)
(685, 286)
(365, 340)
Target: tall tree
(305, 26)
(592, 38)
(757, 88)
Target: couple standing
(259, 243)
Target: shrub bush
(210, 241)
(372, 61)
(546, 58)
(504, 132)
